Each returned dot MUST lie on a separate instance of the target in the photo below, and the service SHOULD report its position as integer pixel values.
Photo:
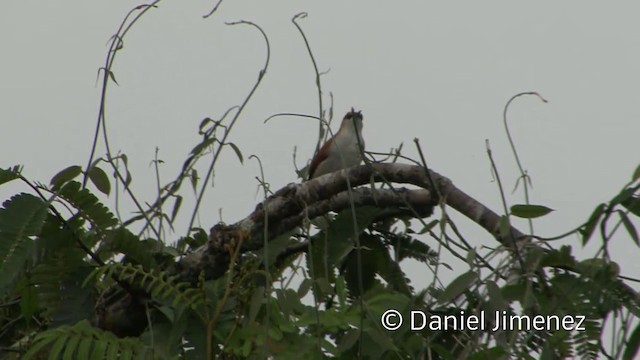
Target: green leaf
(126, 354)
(330, 247)
(632, 204)
(348, 340)
(341, 232)
(34, 350)
(324, 285)
(283, 302)
(304, 287)
(65, 175)
(112, 352)
(127, 179)
(471, 257)
(496, 300)
(364, 273)
(205, 143)
(237, 151)
(496, 352)
(99, 349)
(631, 229)
(275, 247)
(9, 174)
(28, 301)
(70, 348)
(636, 174)
(457, 287)
(622, 197)
(204, 123)
(380, 339)
(196, 336)
(256, 302)
(113, 77)
(274, 333)
(561, 258)
(428, 227)
(100, 179)
(57, 347)
(176, 207)
(168, 312)
(632, 345)
(529, 211)
(591, 224)
(193, 177)
(84, 348)
(514, 292)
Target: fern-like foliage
(88, 204)
(406, 246)
(57, 282)
(123, 241)
(82, 341)
(329, 254)
(21, 217)
(59, 268)
(158, 284)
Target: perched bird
(342, 150)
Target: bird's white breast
(344, 153)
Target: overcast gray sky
(438, 71)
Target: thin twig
(303, 15)
(504, 204)
(116, 46)
(265, 249)
(215, 8)
(216, 155)
(523, 173)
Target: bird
(342, 150)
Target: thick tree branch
(287, 208)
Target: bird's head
(353, 118)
